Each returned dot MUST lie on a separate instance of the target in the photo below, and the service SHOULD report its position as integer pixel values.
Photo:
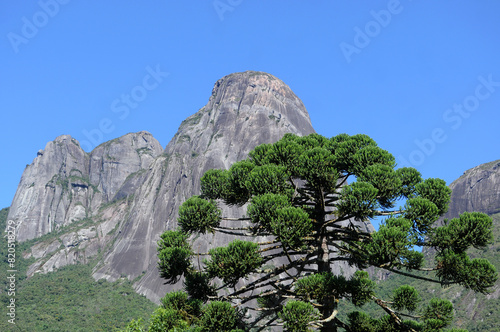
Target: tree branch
(415, 276)
(392, 313)
(225, 231)
(271, 248)
(267, 242)
(236, 228)
(274, 273)
(344, 179)
(326, 320)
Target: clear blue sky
(420, 77)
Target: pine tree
(311, 195)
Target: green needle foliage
(297, 314)
(311, 197)
(198, 215)
(406, 297)
(174, 253)
(233, 262)
(219, 316)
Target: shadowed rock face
(126, 192)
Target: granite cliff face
(117, 200)
(478, 189)
(65, 184)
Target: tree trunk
(324, 266)
(323, 259)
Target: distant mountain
(64, 184)
(478, 189)
(113, 203)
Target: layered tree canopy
(311, 198)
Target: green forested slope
(67, 300)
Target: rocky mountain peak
(261, 93)
(65, 184)
(247, 108)
(258, 91)
(113, 161)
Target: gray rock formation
(51, 190)
(478, 189)
(64, 184)
(117, 200)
